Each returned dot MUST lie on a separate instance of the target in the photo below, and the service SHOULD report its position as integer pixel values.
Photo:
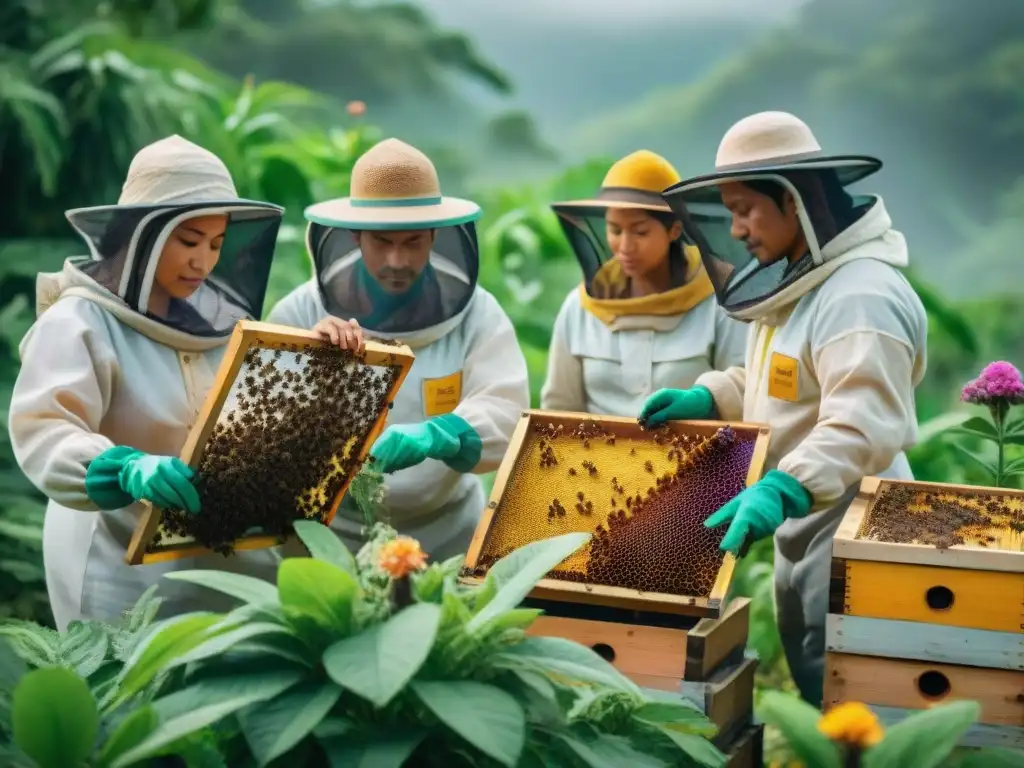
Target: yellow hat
(635, 181)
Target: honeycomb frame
(1004, 551)
(249, 335)
(555, 589)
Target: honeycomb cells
(942, 518)
(286, 441)
(644, 496)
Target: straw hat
(635, 181)
(774, 142)
(394, 186)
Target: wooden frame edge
(713, 641)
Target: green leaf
(485, 716)
(390, 751)
(324, 544)
(924, 739)
(607, 751)
(54, 718)
(1017, 438)
(987, 466)
(12, 668)
(378, 662)
(798, 722)
(525, 568)
(987, 757)
(979, 427)
(226, 639)
(84, 647)
(316, 595)
(129, 734)
(697, 748)
(682, 718)
(273, 727)
(1014, 467)
(558, 657)
(248, 589)
(204, 703)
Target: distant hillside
(932, 86)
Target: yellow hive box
(927, 604)
(268, 381)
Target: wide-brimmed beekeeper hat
(394, 186)
(769, 149)
(169, 182)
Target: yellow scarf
(610, 281)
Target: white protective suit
(858, 335)
(432, 502)
(613, 369)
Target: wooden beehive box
(649, 592)
(927, 604)
(286, 426)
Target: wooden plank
(248, 334)
(727, 697)
(919, 685)
(924, 642)
(748, 750)
(712, 641)
(992, 600)
(847, 545)
(978, 735)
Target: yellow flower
(401, 556)
(852, 723)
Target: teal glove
(677, 405)
(121, 475)
(447, 438)
(760, 509)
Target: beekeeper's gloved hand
(677, 405)
(122, 475)
(448, 438)
(760, 509)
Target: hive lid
(661, 559)
(943, 524)
(286, 425)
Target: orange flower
(356, 108)
(401, 556)
(852, 723)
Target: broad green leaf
(286, 647)
(248, 589)
(1015, 438)
(559, 657)
(517, 618)
(208, 701)
(273, 727)
(316, 594)
(389, 751)
(798, 722)
(170, 639)
(681, 718)
(697, 748)
(924, 739)
(607, 751)
(988, 466)
(987, 757)
(378, 662)
(225, 640)
(129, 734)
(526, 567)
(979, 427)
(324, 544)
(485, 716)
(1014, 467)
(12, 668)
(54, 718)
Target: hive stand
(691, 646)
(912, 625)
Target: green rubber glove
(122, 475)
(760, 509)
(447, 438)
(677, 405)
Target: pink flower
(999, 384)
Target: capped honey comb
(643, 494)
(284, 432)
(944, 517)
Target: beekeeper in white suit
(398, 260)
(119, 362)
(837, 347)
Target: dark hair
(676, 260)
(829, 207)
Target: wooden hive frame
(247, 335)
(550, 589)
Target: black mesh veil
(125, 243)
(441, 292)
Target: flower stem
(851, 758)
(999, 417)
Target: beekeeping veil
(395, 188)
(775, 152)
(169, 182)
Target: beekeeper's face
(190, 254)
(395, 258)
(766, 223)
